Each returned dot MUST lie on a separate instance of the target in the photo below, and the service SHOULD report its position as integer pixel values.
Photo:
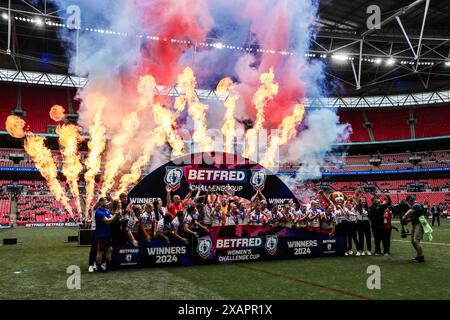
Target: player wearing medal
(256, 217)
(301, 215)
(314, 213)
(216, 214)
(328, 221)
(275, 215)
(148, 220)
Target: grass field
(45, 254)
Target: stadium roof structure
(387, 101)
(410, 52)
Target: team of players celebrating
(118, 221)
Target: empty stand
(389, 124)
(432, 121)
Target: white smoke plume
(323, 130)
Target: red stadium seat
(389, 124)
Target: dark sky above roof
(339, 21)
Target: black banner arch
(216, 169)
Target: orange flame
(156, 139)
(14, 126)
(96, 145)
(57, 113)
(43, 160)
(186, 81)
(69, 140)
(287, 130)
(180, 103)
(229, 124)
(165, 120)
(266, 92)
(224, 85)
(130, 125)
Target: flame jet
(287, 130)
(43, 160)
(165, 119)
(229, 125)
(156, 138)
(265, 93)
(69, 140)
(186, 81)
(41, 155)
(96, 145)
(130, 125)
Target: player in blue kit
(103, 219)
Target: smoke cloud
(322, 131)
(115, 62)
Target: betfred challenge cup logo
(258, 179)
(173, 177)
(204, 248)
(271, 244)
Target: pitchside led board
(223, 244)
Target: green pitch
(45, 255)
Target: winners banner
(228, 244)
(221, 172)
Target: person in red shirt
(388, 228)
(175, 205)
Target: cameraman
(416, 210)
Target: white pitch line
(423, 242)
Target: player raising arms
(177, 204)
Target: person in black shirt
(119, 233)
(436, 212)
(376, 217)
(414, 213)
